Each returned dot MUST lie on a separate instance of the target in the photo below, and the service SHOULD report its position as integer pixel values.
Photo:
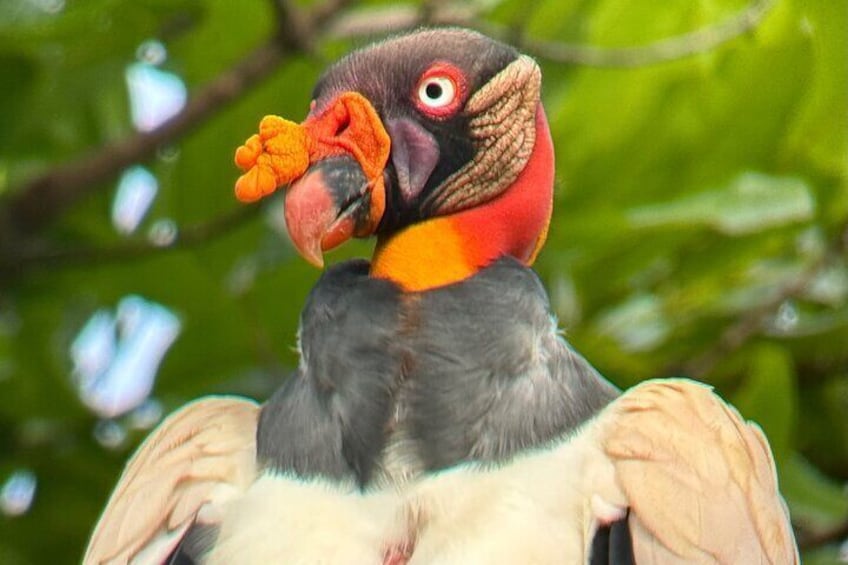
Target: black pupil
(434, 91)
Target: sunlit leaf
(638, 324)
(751, 202)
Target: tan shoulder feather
(201, 455)
(700, 482)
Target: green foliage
(767, 396)
(751, 203)
(699, 227)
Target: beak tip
(306, 243)
(323, 206)
(316, 259)
(307, 213)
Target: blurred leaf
(814, 500)
(823, 431)
(825, 556)
(830, 285)
(818, 133)
(769, 398)
(20, 71)
(638, 324)
(750, 203)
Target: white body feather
(699, 482)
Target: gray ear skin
(329, 418)
(490, 375)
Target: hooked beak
(327, 206)
(336, 189)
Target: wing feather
(199, 456)
(700, 481)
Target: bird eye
(437, 91)
(440, 90)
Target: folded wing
(700, 481)
(197, 459)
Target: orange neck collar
(448, 249)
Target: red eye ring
(440, 91)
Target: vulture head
(435, 142)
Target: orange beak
(334, 162)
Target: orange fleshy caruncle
(273, 158)
(282, 151)
(333, 162)
(350, 125)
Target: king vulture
(437, 416)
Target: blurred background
(701, 220)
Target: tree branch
(33, 257)
(326, 12)
(379, 21)
(669, 49)
(827, 537)
(41, 200)
(392, 19)
(44, 198)
(738, 334)
(293, 29)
